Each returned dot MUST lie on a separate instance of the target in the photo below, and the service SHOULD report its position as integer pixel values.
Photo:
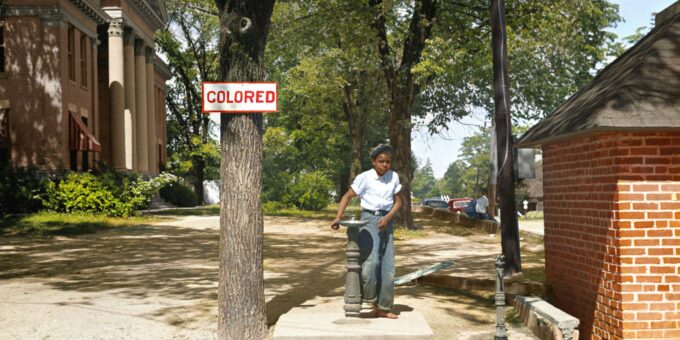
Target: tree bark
(199, 176)
(243, 36)
(403, 89)
(506, 183)
(356, 129)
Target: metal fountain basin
(353, 223)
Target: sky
(442, 149)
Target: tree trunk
(244, 29)
(356, 130)
(402, 88)
(506, 183)
(399, 130)
(199, 176)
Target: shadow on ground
(303, 262)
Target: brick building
(611, 185)
(80, 84)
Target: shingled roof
(640, 90)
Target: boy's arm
(395, 209)
(341, 208)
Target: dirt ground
(160, 281)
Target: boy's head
(381, 157)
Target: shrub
(143, 191)
(111, 193)
(311, 191)
(179, 195)
(273, 206)
(534, 215)
(20, 190)
(84, 192)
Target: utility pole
(506, 180)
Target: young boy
(378, 189)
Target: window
(71, 51)
(4, 135)
(2, 47)
(83, 60)
(86, 154)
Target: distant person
(471, 210)
(378, 189)
(482, 205)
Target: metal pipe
(499, 261)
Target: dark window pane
(71, 58)
(83, 60)
(2, 47)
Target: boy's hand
(383, 223)
(335, 224)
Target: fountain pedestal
(352, 284)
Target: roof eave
(539, 142)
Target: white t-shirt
(376, 193)
(482, 203)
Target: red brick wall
(612, 250)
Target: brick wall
(612, 250)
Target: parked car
(458, 205)
(435, 203)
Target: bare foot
(383, 314)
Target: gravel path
(159, 281)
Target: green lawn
(50, 223)
(214, 210)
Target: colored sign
(239, 97)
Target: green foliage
(112, 194)
(20, 190)
(179, 195)
(551, 53)
(190, 44)
(310, 191)
(452, 183)
(84, 192)
(323, 67)
(424, 184)
(143, 191)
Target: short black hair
(380, 148)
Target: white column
(129, 42)
(121, 132)
(151, 112)
(140, 101)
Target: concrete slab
(322, 323)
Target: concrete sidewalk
(531, 226)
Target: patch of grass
(50, 223)
(328, 213)
(536, 274)
(530, 237)
(206, 210)
(406, 234)
(534, 215)
(444, 227)
(512, 316)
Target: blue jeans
(376, 249)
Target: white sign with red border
(239, 97)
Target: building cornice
(92, 10)
(162, 68)
(52, 16)
(148, 13)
